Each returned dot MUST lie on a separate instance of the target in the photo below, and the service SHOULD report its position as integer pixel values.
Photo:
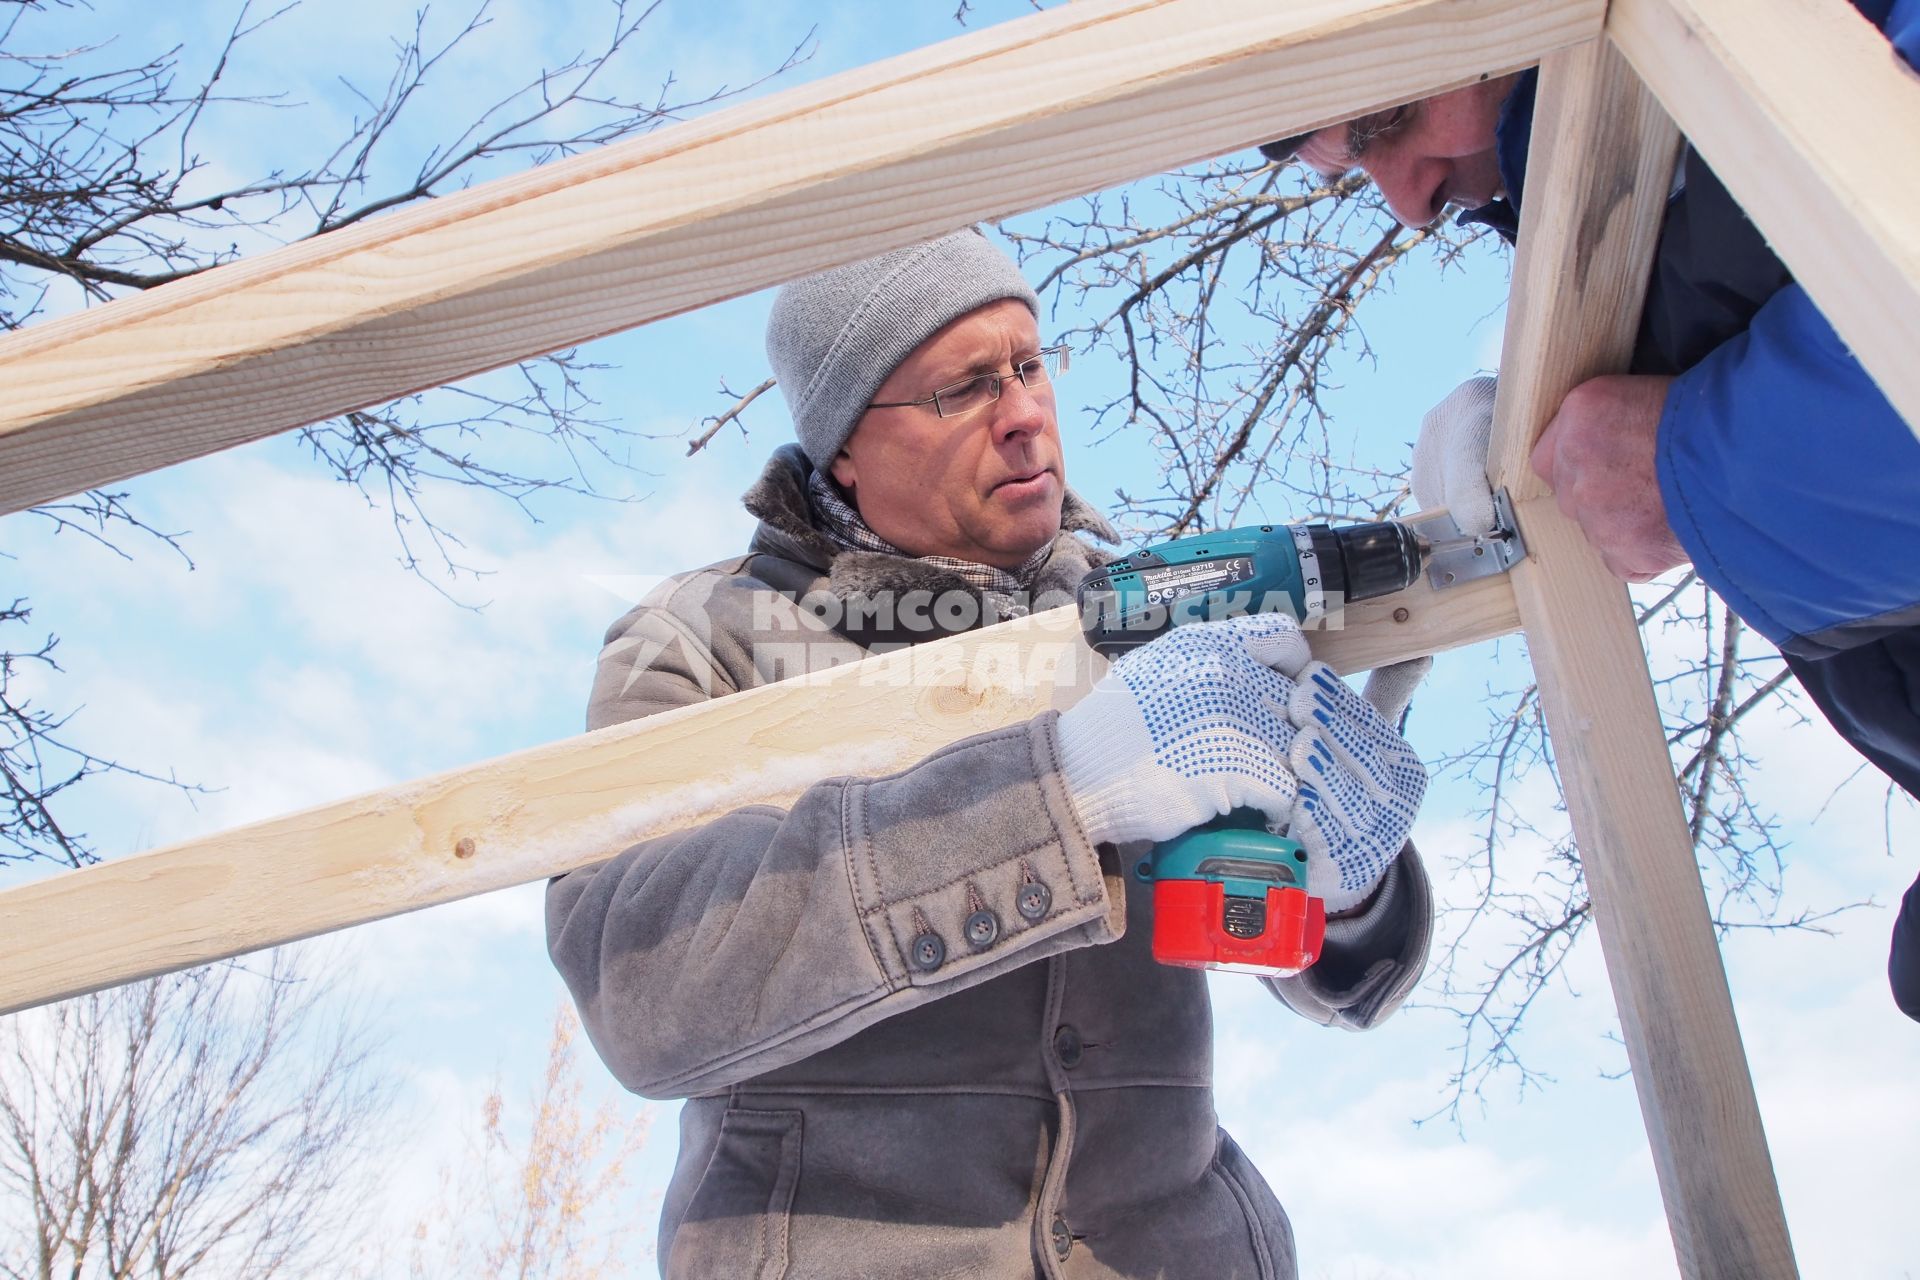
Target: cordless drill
(1231, 895)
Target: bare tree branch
(103, 186)
(543, 1198)
(731, 415)
(39, 762)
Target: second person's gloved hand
(1185, 729)
(1450, 457)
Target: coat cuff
(974, 855)
(1371, 962)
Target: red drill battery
(1197, 924)
(1231, 895)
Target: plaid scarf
(846, 529)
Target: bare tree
(1527, 883)
(38, 760)
(106, 189)
(542, 1198)
(1227, 293)
(204, 1124)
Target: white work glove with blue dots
(1186, 729)
(1360, 782)
(1450, 457)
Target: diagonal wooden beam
(1601, 158)
(1011, 118)
(1812, 122)
(543, 811)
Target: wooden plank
(1011, 118)
(539, 812)
(1602, 154)
(1812, 122)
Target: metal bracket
(1454, 556)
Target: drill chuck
(1374, 559)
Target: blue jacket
(1789, 478)
(1787, 475)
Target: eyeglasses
(982, 390)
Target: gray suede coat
(916, 1017)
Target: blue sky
(297, 662)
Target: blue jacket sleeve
(1900, 25)
(1794, 484)
(1788, 476)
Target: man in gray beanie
(916, 1018)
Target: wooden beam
(1072, 100)
(1812, 122)
(540, 812)
(1601, 156)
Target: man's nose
(1412, 187)
(1019, 410)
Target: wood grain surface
(1601, 158)
(548, 809)
(1068, 101)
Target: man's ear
(841, 469)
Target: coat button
(927, 951)
(1034, 900)
(1068, 1047)
(1062, 1238)
(982, 928)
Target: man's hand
(1186, 728)
(1219, 715)
(1598, 456)
(1360, 781)
(1450, 458)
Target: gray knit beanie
(833, 338)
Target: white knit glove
(1186, 729)
(1450, 458)
(1360, 782)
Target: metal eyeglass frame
(994, 383)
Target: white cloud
(1832, 1062)
(299, 663)
(1327, 1118)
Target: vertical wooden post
(1601, 161)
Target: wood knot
(464, 847)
